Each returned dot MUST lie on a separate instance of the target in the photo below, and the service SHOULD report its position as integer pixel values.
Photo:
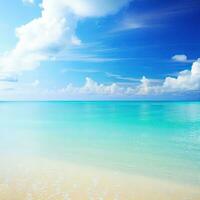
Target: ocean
(157, 140)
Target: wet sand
(43, 179)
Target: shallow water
(154, 139)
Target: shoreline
(40, 178)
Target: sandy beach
(43, 179)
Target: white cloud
(187, 80)
(144, 88)
(28, 1)
(119, 77)
(152, 18)
(179, 58)
(94, 8)
(125, 26)
(92, 87)
(75, 40)
(86, 57)
(8, 78)
(42, 38)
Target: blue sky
(92, 49)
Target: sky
(99, 50)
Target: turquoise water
(156, 139)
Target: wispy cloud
(154, 18)
(8, 78)
(66, 70)
(74, 56)
(119, 77)
(128, 24)
(130, 79)
(28, 1)
(124, 80)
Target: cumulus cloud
(144, 87)
(179, 58)
(42, 38)
(92, 87)
(187, 80)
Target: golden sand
(42, 179)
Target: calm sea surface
(156, 139)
